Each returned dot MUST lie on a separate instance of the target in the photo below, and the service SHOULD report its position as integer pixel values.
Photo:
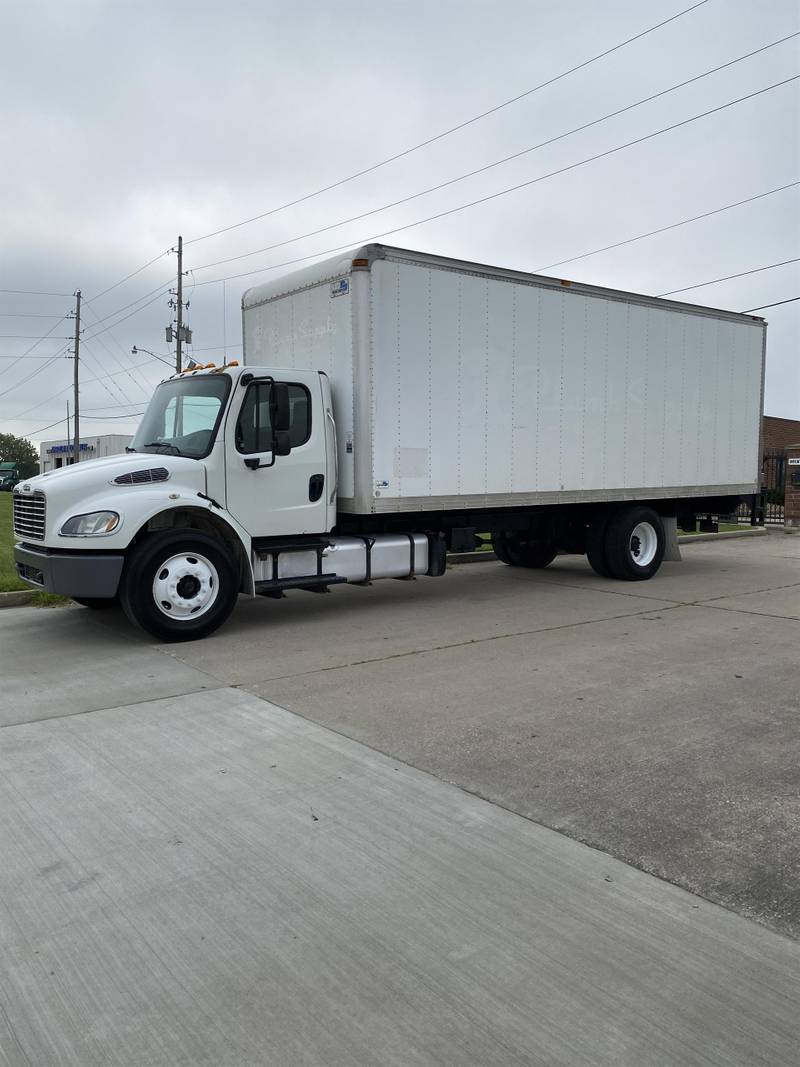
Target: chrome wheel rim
(185, 586)
(643, 544)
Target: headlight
(96, 522)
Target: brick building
(780, 433)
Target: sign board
(794, 461)
(69, 448)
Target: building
(780, 433)
(60, 453)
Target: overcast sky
(124, 125)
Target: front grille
(29, 515)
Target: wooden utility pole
(76, 448)
(179, 335)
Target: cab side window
(254, 427)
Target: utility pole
(68, 422)
(180, 334)
(76, 379)
(179, 339)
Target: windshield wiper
(129, 449)
(172, 450)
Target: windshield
(182, 417)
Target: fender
(157, 507)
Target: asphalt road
(193, 875)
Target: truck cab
(229, 487)
(223, 457)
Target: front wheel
(179, 585)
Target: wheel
(520, 551)
(596, 544)
(97, 602)
(634, 544)
(179, 585)
(500, 549)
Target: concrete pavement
(657, 721)
(209, 879)
(193, 875)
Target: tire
(634, 544)
(520, 552)
(99, 603)
(596, 544)
(179, 585)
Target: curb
(684, 539)
(19, 598)
(753, 531)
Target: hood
(95, 472)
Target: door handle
(315, 486)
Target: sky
(123, 125)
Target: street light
(135, 349)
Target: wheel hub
(185, 586)
(643, 544)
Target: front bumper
(83, 574)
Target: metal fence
(768, 508)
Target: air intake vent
(155, 474)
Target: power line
(37, 342)
(104, 418)
(32, 292)
(664, 229)
(727, 277)
(159, 289)
(32, 375)
(510, 189)
(32, 337)
(505, 159)
(132, 274)
(19, 315)
(54, 396)
(113, 355)
(452, 129)
(104, 329)
(777, 303)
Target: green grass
(9, 581)
(8, 572)
(724, 527)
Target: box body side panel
(485, 388)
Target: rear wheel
(179, 585)
(634, 544)
(596, 544)
(521, 551)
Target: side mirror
(280, 412)
(281, 443)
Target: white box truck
(393, 405)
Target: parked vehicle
(394, 405)
(9, 476)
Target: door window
(254, 427)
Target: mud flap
(672, 551)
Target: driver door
(272, 495)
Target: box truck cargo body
(458, 385)
(393, 405)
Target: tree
(20, 451)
